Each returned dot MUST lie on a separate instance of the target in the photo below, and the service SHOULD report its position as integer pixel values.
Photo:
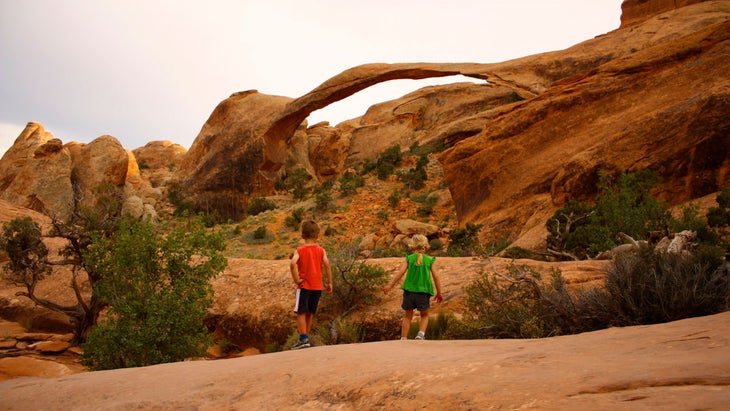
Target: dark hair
(310, 230)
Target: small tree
(464, 241)
(158, 289)
(356, 282)
(30, 263)
(623, 205)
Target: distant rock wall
(634, 12)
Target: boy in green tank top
(418, 286)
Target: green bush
(623, 205)
(158, 289)
(260, 233)
(652, 286)
(388, 161)
(258, 205)
(339, 331)
(350, 182)
(519, 305)
(438, 326)
(464, 241)
(295, 219)
(323, 201)
(394, 198)
(356, 283)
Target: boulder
(411, 227)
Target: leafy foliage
(357, 282)
(388, 161)
(464, 241)
(295, 219)
(22, 240)
(623, 205)
(651, 286)
(258, 205)
(158, 288)
(350, 182)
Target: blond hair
(419, 244)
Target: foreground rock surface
(679, 365)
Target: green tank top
(418, 277)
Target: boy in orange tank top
(306, 271)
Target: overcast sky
(145, 70)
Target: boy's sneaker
(301, 344)
(420, 336)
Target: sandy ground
(683, 365)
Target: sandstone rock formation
(56, 179)
(159, 159)
(36, 173)
(651, 94)
(658, 100)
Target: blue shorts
(419, 301)
(307, 300)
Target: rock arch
(342, 86)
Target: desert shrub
(623, 205)
(181, 202)
(350, 182)
(297, 182)
(323, 201)
(260, 204)
(388, 161)
(464, 241)
(157, 287)
(691, 220)
(394, 198)
(652, 286)
(426, 204)
(356, 282)
(260, 233)
(517, 253)
(436, 244)
(415, 178)
(339, 331)
(519, 305)
(720, 216)
(507, 306)
(295, 219)
(437, 326)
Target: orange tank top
(310, 266)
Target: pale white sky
(145, 70)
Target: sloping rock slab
(679, 365)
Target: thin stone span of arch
(342, 86)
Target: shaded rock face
(228, 160)
(102, 162)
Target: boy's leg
(406, 324)
(302, 323)
(308, 319)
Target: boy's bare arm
(328, 272)
(294, 269)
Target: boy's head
(310, 230)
